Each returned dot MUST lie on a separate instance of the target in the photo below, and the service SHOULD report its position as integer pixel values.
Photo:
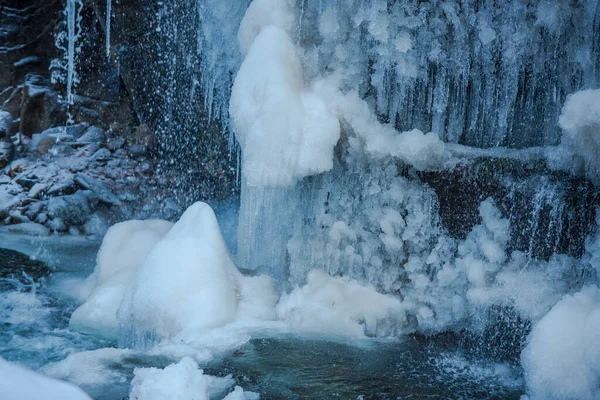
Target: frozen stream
(277, 365)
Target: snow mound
(285, 131)
(580, 121)
(188, 284)
(123, 250)
(22, 384)
(342, 306)
(562, 357)
(181, 381)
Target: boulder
(6, 153)
(29, 228)
(100, 190)
(73, 209)
(93, 135)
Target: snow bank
(285, 131)
(21, 384)
(123, 250)
(342, 306)
(562, 357)
(580, 121)
(181, 381)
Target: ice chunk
(21, 384)
(580, 121)
(342, 306)
(562, 357)
(187, 281)
(181, 381)
(285, 131)
(123, 250)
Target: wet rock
(89, 149)
(93, 135)
(115, 144)
(17, 218)
(78, 164)
(14, 265)
(100, 190)
(66, 186)
(41, 143)
(6, 153)
(6, 122)
(8, 201)
(57, 225)
(136, 150)
(72, 209)
(37, 189)
(42, 218)
(74, 231)
(30, 228)
(34, 209)
(27, 180)
(102, 155)
(96, 225)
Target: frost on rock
(562, 357)
(580, 121)
(19, 383)
(123, 250)
(181, 381)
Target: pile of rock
(75, 179)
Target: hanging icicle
(108, 12)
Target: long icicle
(70, 49)
(108, 12)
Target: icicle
(70, 49)
(108, 12)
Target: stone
(6, 122)
(37, 189)
(42, 218)
(103, 193)
(73, 209)
(96, 225)
(41, 143)
(6, 153)
(17, 218)
(102, 155)
(73, 231)
(89, 149)
(115, 144)
(29, 228)
(93, 135)
(19, 266)
(63, 187)
(136, 150)
(57, 225)
(27, 180)
(34, 209)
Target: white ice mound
(18, 383)
(562, 357)
(123, 250)
(285, 131)
(580, 121)
(181, 381)
(187, 281)
(342, 306)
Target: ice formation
(562, 357)
(188, 283)
(338, 305)
(124, 249)
(285, 131)
(19, 383)
(107, 26)
(67, 41)
(181, 381)
(580, 121)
